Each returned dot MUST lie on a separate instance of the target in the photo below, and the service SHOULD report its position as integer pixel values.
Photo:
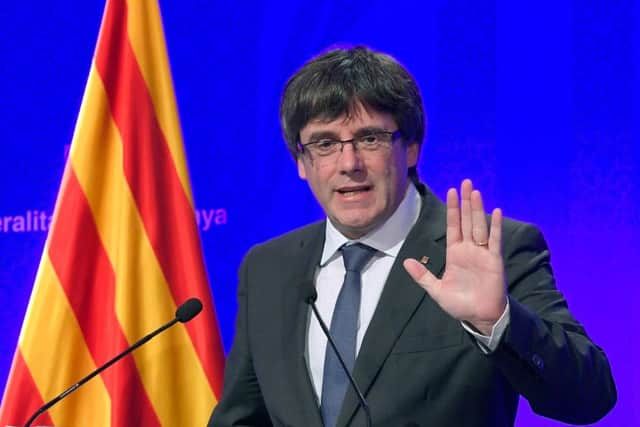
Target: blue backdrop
(536, 102)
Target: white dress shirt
(387, 240)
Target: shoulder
(282, 260)
(291, 242)
(519, 235)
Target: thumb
(421, 275)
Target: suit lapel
(306, 258)
(400, 298)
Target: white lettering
(207, 214)
(221, 216)
(18, 224)
(42, 218)
(34, 220)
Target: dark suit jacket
(416, 366)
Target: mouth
(353, 190)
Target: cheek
(318, 179)
(392, 169)
(310, 172)
(394, 175)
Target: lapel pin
(424, 260)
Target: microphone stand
(363, 402)
(187, 311)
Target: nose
(350, 159)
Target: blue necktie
(344, 326)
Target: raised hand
(472, 288)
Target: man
(491, 325)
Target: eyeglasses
(328, 148)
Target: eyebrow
(327, 134)
(367, 130)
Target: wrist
(485, 326)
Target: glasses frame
(355, 142)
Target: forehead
(350, 122)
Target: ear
(302, 171)
(413, 151)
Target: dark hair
(334, 82)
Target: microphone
(310, 296)
(187, 311)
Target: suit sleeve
(241, 403)
(545, 353)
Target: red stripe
(83, 268)
(21, 397)
(168, 217)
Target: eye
(370, 139)
(324, 143)
(323, 146)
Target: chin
(356, 228)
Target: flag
(122, 253)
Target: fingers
(466, 223)
(495, 237)
(421, 275)
(454, 234)
(466, 218)
(480, 233)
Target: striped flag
(122, 253)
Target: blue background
(536, 102)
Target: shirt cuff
(489, 343)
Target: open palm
(472, 287)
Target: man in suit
(446, 317)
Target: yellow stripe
(146, 36)
(57, 356)
(169, 366)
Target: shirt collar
(387, 238)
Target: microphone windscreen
(188, 310)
